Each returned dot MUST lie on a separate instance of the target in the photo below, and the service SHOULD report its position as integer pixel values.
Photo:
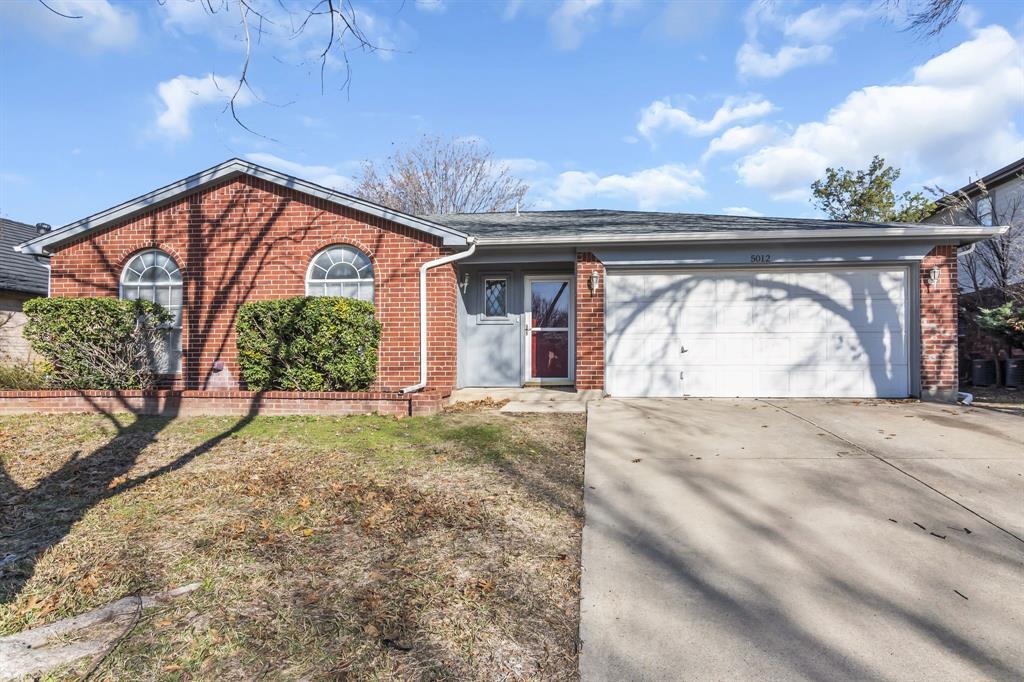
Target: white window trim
(360, 281)
(174, 349)
(483, 317)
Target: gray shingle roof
(607, 223)
(19, 271)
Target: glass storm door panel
(549, 343)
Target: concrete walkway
(817, 540)
(531, 398)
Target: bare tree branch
(996, 263)
(59, 14)
(929, 17)
(442, 176)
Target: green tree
(868, 195)
(1006, 321)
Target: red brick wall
(214, 403)
(589, 323)
(939, 325)
(247, 239)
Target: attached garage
(798, 332)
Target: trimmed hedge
(98, 343)
(308, 344)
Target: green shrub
(1006, 321)
(98, 343)
(22, 376)
(308, 344)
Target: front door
(548, 327)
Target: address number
(761, 258)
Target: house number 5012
(761, 258)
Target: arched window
(340, 270)
(153, 275)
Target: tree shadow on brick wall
(35, 518)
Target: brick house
(22, 277)
(631, 303)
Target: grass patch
(370, 547)
(21, 376)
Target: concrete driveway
(822, 540)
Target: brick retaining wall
(208, 403)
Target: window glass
(984, 210)
(341, 270)
(154, 276)
(495, 298)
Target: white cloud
(806, 37)
(739, 138)
(957, 114)
(751, 60)
(182, 94)
(327, 176)
(742, 211)
(279, 32)
(823, 22)
(512, 8)
(431, 5)
(571, 21)
(969, 16)
(524, 167)
(647, 189)
(100, 26)
(661, 116)
(189, 16)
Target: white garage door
(769, 333)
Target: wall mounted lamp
(933, 277)
(595, 279)
(464, 284)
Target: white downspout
(49, 275)
(423, 308)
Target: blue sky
(698, 107)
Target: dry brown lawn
(442, 547)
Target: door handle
(683, 349)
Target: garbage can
(983, 372)
(1015, 372)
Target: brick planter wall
(589, 323)
(939, 378)
(170, 403)
(246, 239)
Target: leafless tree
(439, 176)
(995, 264)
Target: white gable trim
(225, 171)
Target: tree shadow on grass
(34, 519)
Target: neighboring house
(992, 272)
(996, 199)
(632, 303)
(22, 276)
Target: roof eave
(951, 234)
(226, 171)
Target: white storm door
(548, 325)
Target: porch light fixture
(594, 281)
(933, 277)
(464, 284)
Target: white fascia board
(953, 233)
(225, 171)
